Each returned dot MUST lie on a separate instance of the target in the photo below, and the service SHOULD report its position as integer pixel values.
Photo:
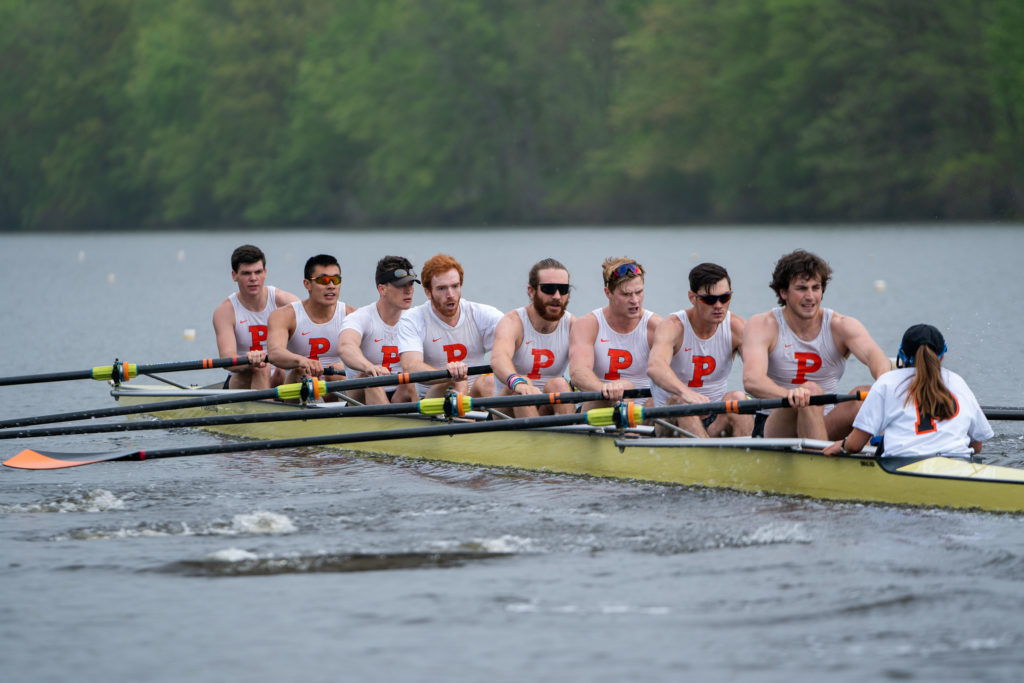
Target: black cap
(398, 277)
(917, 336)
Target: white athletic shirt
(379, 341)
(906, 434)
(318, 341)
(701, 364)
(622, 356)
(542, 357)
(251, 326)
(469, 341)
(794, 361)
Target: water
(320, 566)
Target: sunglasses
(327, 279)
(550, 288)
(712, 299)
(626, 269)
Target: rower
(692, 355)
(240, 321)
(799, 349)
(447, 332)
(303, 337)
(369, 336)
(531, 343)
(921, 409)
(608, 347)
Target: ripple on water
(240, 562)
(260, 522)
(96, 500)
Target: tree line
(193, 113)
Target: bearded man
(531, 343)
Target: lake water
(321, 566)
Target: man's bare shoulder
(224, 313)
(761, 329)
(285, 314)
(283, 298)
(846, 325)
(764, 320)
(671, 322)
(737, 325)
(509, 325)
(585, 323)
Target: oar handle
(744, 407)
(459, 404)
(400, 378)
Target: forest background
(196, 113)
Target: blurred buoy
(81, 256)
(181, 255)
(879, 285)
(190, 334)
(111, 278)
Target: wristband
(842, 445)
(513, 381)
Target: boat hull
(777, 466)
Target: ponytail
(927, 388)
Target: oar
(1003, 413)
(122, 372)
(620, 415)
(285, 392)
(459, 405)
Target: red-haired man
(447, 332)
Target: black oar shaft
(361, 437)
(235, 397)
(1003, 413)
(300, 414)
(124, 371)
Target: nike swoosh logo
(305, 333)
(435, 338)
(377, 340)
(242, 322)
(604, 340)
(786, 346)
(688, 348)
(528, 343)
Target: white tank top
(701, 364)
(794, 361)
(443, 344)
(622, 356)
(317, 340)
(251, 326)
(379, 341)
(542, 357)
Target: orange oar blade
(29, 459)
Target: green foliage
(130, 113)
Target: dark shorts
(759, 419)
